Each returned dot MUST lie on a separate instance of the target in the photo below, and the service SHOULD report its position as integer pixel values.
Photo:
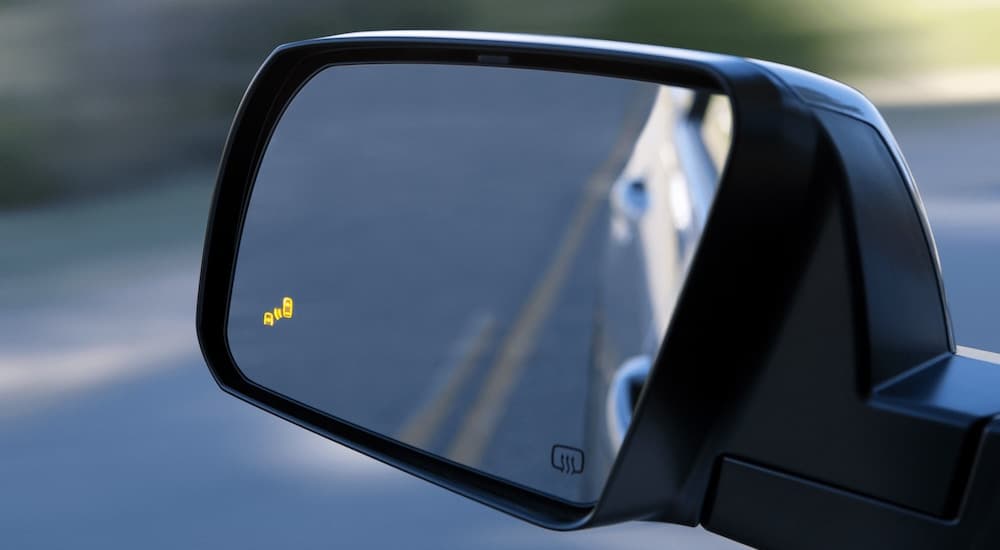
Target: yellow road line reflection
(421, 427)
(479, 425)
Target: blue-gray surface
(415, 210)
(112, 433)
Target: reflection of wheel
(623, 395)
(613, 392)
(657, 207)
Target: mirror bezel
(284, 72)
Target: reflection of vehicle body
(658, 209)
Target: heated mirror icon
(568, 460)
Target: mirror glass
(479, 262)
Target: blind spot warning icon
(568, 460)
(278, 313)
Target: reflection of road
(150, 454)
(442, 238)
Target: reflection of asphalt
(151, 454)
(397, 223)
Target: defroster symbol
(568, 460)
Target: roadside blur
(103, 96)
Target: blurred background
(113, 115)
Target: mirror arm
(861, 427)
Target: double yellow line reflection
(478, 427)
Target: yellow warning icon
(278, 313)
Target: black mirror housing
(809, 369)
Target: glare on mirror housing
(445, 230)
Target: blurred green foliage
(105, 95)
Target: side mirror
(585, 282)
